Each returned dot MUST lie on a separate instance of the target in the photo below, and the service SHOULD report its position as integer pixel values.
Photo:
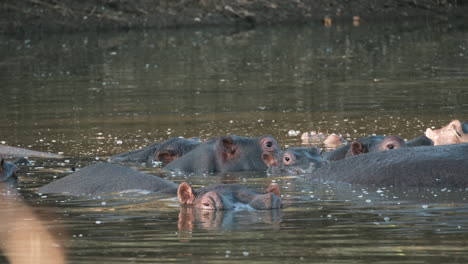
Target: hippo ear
(356, 148)
(226, 147)
(2, 162)
(274, 189)
(166, 156)
(431, 134)
(269, 159)
(185, 193)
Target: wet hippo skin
(294, 160)
(106, 178)
(14, 152)
(164, 152)
(229, 153)
(417, 166)
(229, 196)
(365, 145)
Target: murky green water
(93, 95)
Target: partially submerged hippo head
(229, 196)
(294, 160)
(375, 144)
(453, 133)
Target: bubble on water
(329, 216)
(228, 251)
(119, 142)
(368, 201)
(245, 253)
(424, 206)
(293, 133)
(386, 219)
(379, 191)
(103, 203)
(98, 222)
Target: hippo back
(106, 178)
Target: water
(92, 95)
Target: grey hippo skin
(229, 196)
(365, 145)
(7, 170)
(107, 178)
(418, 166)
(14, 152)
(298, 160)
(224, 154)
(419, 141)
(164, 152)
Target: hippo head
(374, 144)
(236, 153)
(453, 133)
(229, 196)
(294, 160)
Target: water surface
(92, 95)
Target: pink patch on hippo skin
(451, 134)
(334, 141)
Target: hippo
(430, 166)
(297, 160)
(229, 196)
(106, 178)
(455, 132)
(163, 152)
(14, 152)
(419, 141)
(8, 170)
(103, 178)
(365, 145)
(224, 154)
(330, 142)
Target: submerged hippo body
(229, 153)
(164, 152)
(229, 196)
(417, 166)
(365, 145)
(14, 152)
(107, 178)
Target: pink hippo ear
(269, 159)
(185, 193)
(274, 189)
(356, 148)
(166, 156)
(226, 147)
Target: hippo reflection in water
(107, 178)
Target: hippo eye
(269, 144)
(390, 146)
(206, 204)
(287, 159)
